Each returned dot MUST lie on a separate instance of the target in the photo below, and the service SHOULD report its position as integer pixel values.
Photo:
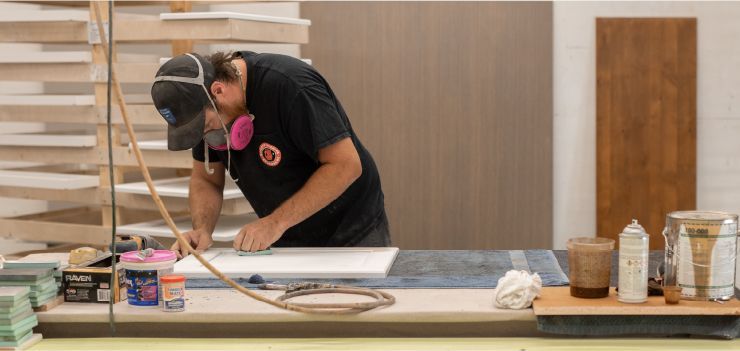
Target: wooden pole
(180, 47)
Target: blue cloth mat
(439, 269)
(725, 327)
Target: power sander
(136, 242)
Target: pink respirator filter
(241, 133)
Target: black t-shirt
(296, 114)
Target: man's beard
(233, 111)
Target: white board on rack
(53, 140)
(226, 229)
(175, 187)
(47, 100)
(301, 263)
(232, 15)
(163, 60)
(46, 57)
(156, 145)
(46, 180)
(65, 100)
(44, 16)
(67, 57)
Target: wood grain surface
(558, 302)
(645, 121)
(454, 101)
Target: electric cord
(113, 276)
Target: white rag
(517, 289)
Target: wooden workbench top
(556, 301)
(230, 306)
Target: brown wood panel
(454, 101)
(645, 121)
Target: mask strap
(207, 165)
(226, 134)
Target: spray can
(633, 264)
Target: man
(273, 123)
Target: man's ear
(217, 88)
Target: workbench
(217, 313)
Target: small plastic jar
(173, 289)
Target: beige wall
(454, 101)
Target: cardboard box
(90, 282)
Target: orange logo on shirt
(270, 154)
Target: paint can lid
(172, 278)
(156, 256)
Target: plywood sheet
(46, 180)
(322, 263)
(175, 187)
(645, 122)
(556, 301)
(226, 229)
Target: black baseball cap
(180, 94)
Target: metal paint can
(173, 292)
(700, 255)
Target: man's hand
(198, 238)
(258, 235)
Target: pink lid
(157, 256)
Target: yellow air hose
(381, 298)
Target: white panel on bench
(175, 187)
(48, 140)
(226, 229)
(304, 263)
(231, 15)
(45, 180)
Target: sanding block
(256, 253)
(82, 254)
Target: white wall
(718, 106)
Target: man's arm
(340, 167)
(206, 197)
